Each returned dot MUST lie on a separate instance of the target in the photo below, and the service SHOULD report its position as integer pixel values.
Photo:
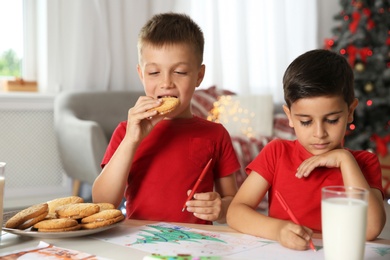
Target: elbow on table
(374, 230)
(116, 203)
(231, 216)
(101, 197)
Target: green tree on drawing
(172, 235)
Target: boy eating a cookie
(156, 156)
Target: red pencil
(291, 214)
(206, 168)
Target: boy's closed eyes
(178, 71)
(326, 120)
(332, 118)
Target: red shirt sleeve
(116, 139)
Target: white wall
(27, 144)
(326, 11)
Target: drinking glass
(344, 222)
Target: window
(11, 44)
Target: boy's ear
(140, 74)
(288, 114)
(201, 72)
(351, 110)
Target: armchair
(84, 123)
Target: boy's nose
(166, 82)
(319, 130)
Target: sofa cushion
(282, 129)
(203, 100)
(247, 149)
(251, 115)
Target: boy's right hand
(294, 236)
(141, 120)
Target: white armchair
(84, 123)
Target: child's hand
(331, 159)
(206, 206)
(294, 236)
(140, 121)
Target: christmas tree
(362, 36)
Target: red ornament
(356, 16)
(370, 22)
(381, 144)
(329, 43)
(352, 51)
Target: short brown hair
(318, 73)
(172, 28)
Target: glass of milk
(344, 222)
(2, 181)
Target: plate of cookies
(62, 218)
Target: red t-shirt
(169, 161)
(278, 162)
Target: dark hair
(318, 73)
(172, 28)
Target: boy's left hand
(330, 159)
(206, 206)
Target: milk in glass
(344, 223)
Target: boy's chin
(179, 115)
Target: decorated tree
(362, 36)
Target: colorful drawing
(382, 251)
(172, 235)
(164, 238)
(48, 251)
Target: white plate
(65, 234)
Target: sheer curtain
(250, 43)
(91, 44)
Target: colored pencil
(291, 214)
(201, 176)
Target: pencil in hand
(291, 214)
(206, 168)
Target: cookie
(77, 227)
(77, 210)
(102, 216)
(55, 203)
(26, 214)
(56, 223)
(102, 223)
(51, 215)
(167, 105)
(32, 221)
(105, 206)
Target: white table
(11, 242)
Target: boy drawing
(320, 102)
(154, 160)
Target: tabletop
(112, 243)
